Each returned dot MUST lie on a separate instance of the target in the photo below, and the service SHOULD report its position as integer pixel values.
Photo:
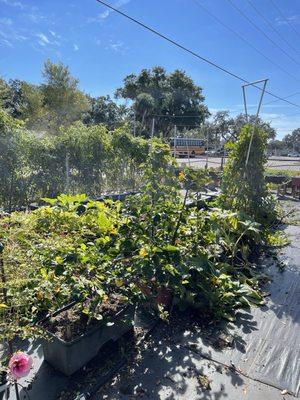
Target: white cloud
(117, 46)
(5, 42)
(5, 21)
(43, 40)
(270, 116)
(108, 11)
(75, 47)
(293, 19)
(35, 17)
(13, 3)
(9, 36)
(54, 34)
(104, 15)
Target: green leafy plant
(243, 186)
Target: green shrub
(243, 187)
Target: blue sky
(102, 47)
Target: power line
(192, 52)
(174, 42)
(284, 116)
(267, 21)
(243, 39)
(274, 101)
(286, 97)
(262, 32)
(284, 17)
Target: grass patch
(284, 172)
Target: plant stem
(17, 390)
(180, 215)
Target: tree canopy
(174, 99)
(103, 110)
(292, 141)
(170, 102)
(63, 100)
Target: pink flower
(20, 365)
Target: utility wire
(284, 17)
(240, 11)
(286, 97)
(284, 116)
(268, 22)
(274, 101)
(174, 42)
(192, 52)
(199, 4)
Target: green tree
(12, 161)
(27, 103)
(105, 111)
(63, 100)
(174, 98)
(239, 121)
(221, 127)
(5, 94)
(292, 141)
(275, 146)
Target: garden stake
(180, 215)
(257, 112)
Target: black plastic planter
(3, 381)
(69, 357)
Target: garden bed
(74, 340)
(71, 323)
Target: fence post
(152, 127)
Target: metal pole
(257, 112)
(152, 128)
(188, 151)
(245, 103)
(175, 140)
(134, 121)
(206, 165)
(67, 173)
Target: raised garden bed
(73, 343)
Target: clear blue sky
(101, 47)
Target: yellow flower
(143, 252)
(181, 176)
(119, 282)
(40, 295)
(215, 281)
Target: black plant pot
(69, 357)
(3, 381)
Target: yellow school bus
(187, 147)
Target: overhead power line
(199, 4)
(286, 97)
(240, 11)
(193, 53)
(284, 17)
(274, 101)
(269, 23)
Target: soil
(72, 323)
